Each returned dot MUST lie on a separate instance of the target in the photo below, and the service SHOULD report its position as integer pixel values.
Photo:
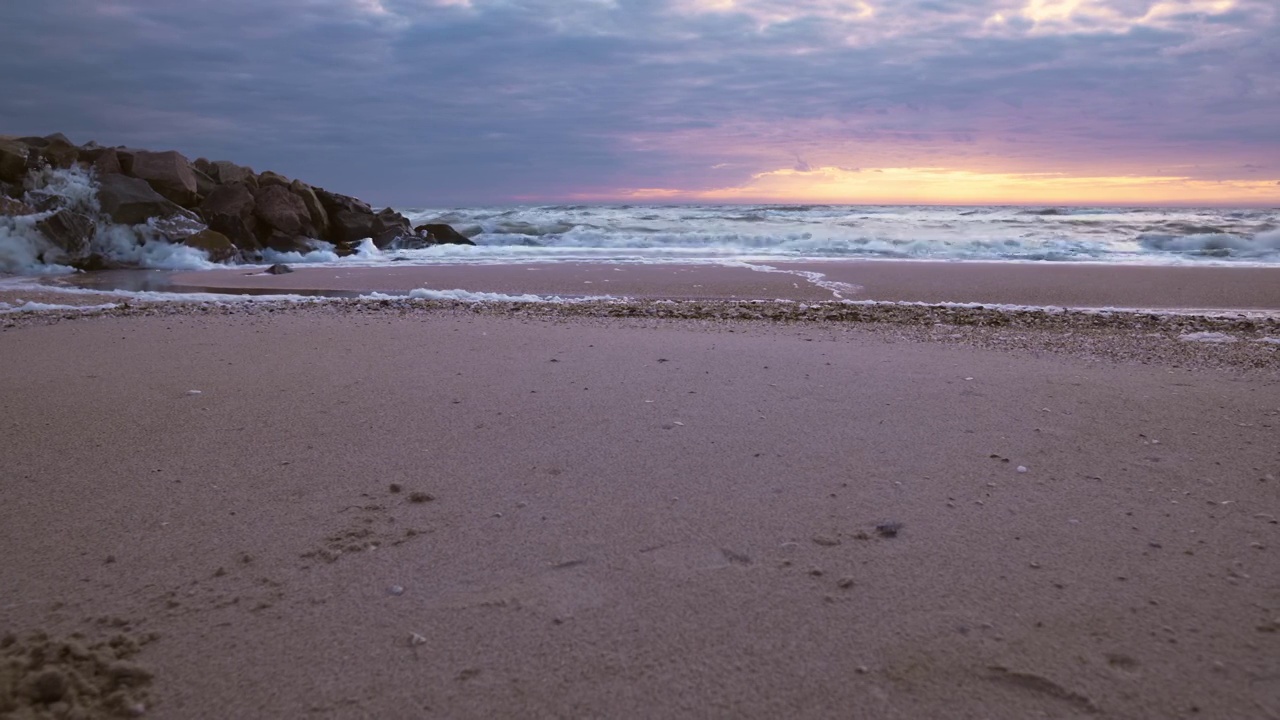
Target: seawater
(734, 234)
(636, 233)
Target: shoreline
(1238, 342)
(1059, 285)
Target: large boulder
(69, 231)
(216, 246)
(333, 202)
(126, 155)
(441, 234)
(11, 207)
(169, 173)
(241, 232)
(284, 242)
(280, 211)
(389, 227)
(177, 228)
(225, 172)
(129, 201)
(319, 218)
(233, 199)
(107, 163)
(348, 225)
(13, 161)
(204, 184)
(267, 178)
(229, 210)
(97, 261)
(58, 151)
(352, 220)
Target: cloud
(434, 102)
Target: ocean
(715, 233)
(730, 234)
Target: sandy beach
(1063, 284)
(447, 513)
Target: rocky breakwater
(92, 207)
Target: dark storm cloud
(420, 101)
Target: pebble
(193, 392)
(1022, 468)
(889, 529)
(395, 590)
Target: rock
(13, 161)
(349, 226)
(346, 249)
(129, 201)
(279, 269)
(96, 261)
(441, 234)
(229, 210)
(889, 529)
(319, 218)
(91, 151)
(59, 152)
(203, 165)
(233, 199)
(388, 227)
(239, 231)
(10, 207)
(268, 178)
(169, 173)
(107, 163)
(216, 246)
(334, 201)
(178, 227)
(68, 231)
(350, 220)
(126, 155)
(285, 242)
(204, 185)
(279, 210)
(225, 172)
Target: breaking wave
(716, 233)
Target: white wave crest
(472, 296)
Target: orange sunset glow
(941, 186)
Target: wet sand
(1070, 285)
(623, 518)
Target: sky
(434, 103)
